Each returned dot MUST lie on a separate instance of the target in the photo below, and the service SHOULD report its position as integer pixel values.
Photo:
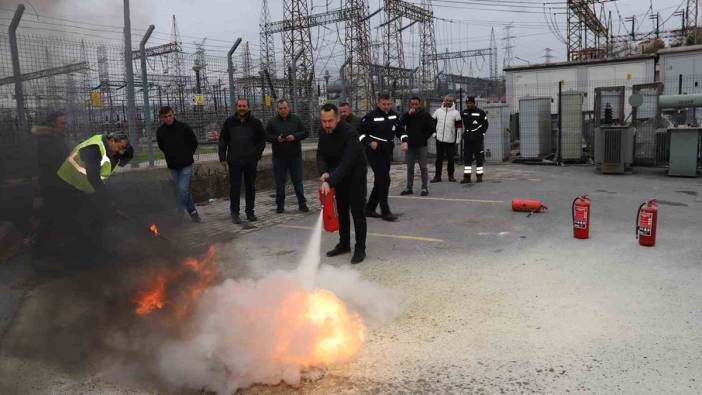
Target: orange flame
(337, 333)
(178, 287)
(154, 229)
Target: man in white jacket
(448, 121)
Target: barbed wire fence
(85, 77)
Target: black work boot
(389, 216)
(338, 250)
(358, 256)
(480, 178)
(451, 179)
(466, 179)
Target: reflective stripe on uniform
(381, 119)
(361, 137)
(392, 117)
(377, 138)
(466, 169)
(404, 136)
(475, 114)
(479, 170)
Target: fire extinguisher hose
(638, 214)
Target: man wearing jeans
(285, 132)
(241, 143)
(416, 126)
(178, 143)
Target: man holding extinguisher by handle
(342, 165)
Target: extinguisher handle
(638, 214)
(572, 208)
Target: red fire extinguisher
(646, 221)
(528, 206)
(330, 217)
(581, 217)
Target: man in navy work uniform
(475, 125)
(342, 165)
(377, 134)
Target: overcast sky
(462, 24)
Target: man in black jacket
(377, 133)
(346, 113)
(178, 143)
(285, 132)
(241, 143)
(416, 127)
(342, 165)
(475, 125)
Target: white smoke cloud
(236, 330)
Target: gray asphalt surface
(495, 301)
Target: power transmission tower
(493, 55)
(428, 64)
(508, 37)
(359, 81)
(393, 53)
(266, 41)
(587, 35)
(691, 18)
(246, 70)
(547, 55)
(298, 40)
(175, 59)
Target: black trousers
(351, 198)
(281, 168)
(448, 151)
(380, 161)
(236, 170)
(473, 149)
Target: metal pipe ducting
(680, 101)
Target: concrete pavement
(492, 301)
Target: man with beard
(417, 127)
(241, 143)
(342, 165)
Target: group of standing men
(347, 146)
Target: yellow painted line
(390, 236)
(448, 199)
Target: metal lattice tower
(587, 35)
(246, 69)
(393, 53)
(428, 64)
(299, 38)
(175, 59)
(509, 45)
(493, 55)
(266, 41)
(359, 81)
(691, 14)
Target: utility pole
(131, 105)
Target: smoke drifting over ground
(248, 332)
(234, 334)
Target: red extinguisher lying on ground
(528, 206)
(646, 221)
(330, 217)
(581, 217)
